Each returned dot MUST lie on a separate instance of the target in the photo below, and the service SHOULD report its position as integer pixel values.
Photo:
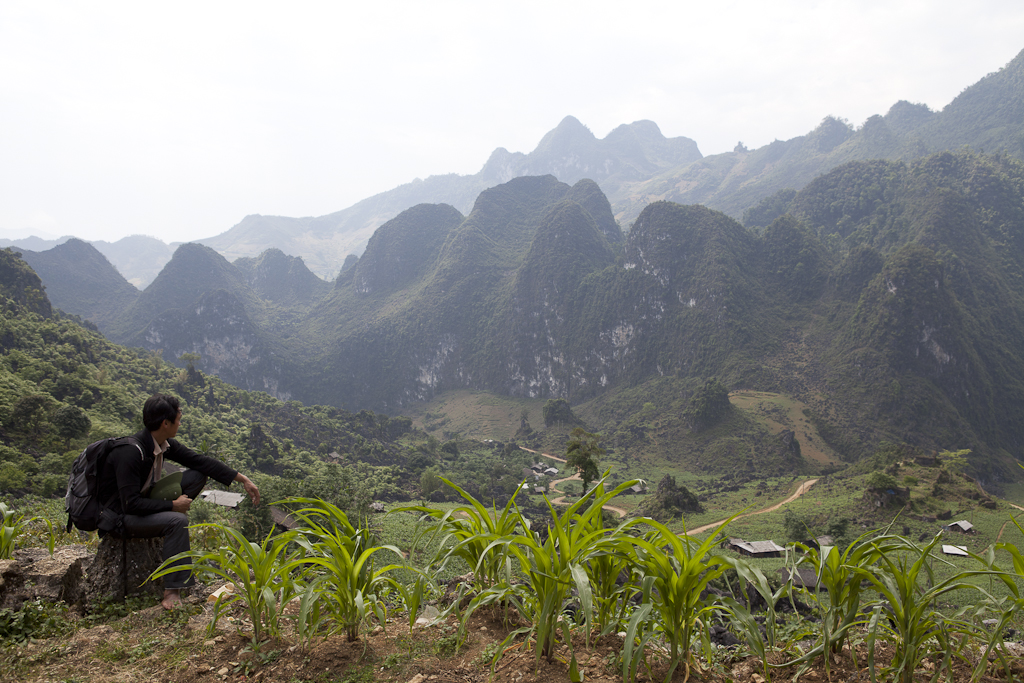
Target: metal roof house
(963, 526)
(803, 577)
(754, 548)
(228, 499)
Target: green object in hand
(167, 488)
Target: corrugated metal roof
(227, 499)
(760, 547)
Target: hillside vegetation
(885, 297)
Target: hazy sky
(178, 119)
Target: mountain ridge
(634, 165)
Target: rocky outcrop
(78, 575)
(106, 579)
(34, 574)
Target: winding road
(576, 477)
(1006, 522)
(800, 490)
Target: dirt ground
(153, 645)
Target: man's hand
(250, 488)
(182, 503)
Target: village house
(754, 548)
(803, 577)
(228, 499)
(819, 542)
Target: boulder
(105, 578)
(77, 575)
(34, 574)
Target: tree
(430, 481)
(30, 414)
(557, 411)
(582, 453)
(795, 526)
(71, 423)
(190, 360)
(954, 461)
(708, 405)
(881, 481)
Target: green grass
(476, 414)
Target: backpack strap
(123, 441)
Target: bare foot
(172, 598)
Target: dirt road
(554, 485)
(1006, 522)
(800, 490)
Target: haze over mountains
(886, 294)
(634, 165)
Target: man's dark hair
(159, 407)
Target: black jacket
(126, 470)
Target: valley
(823, 337)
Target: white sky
(178, 119)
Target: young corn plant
(674, 572)
(342, 582)
(261, 573)
(553, 569)
(906, 613)
(839, 589)
(470, 532)
(11, 527)
(1008, 607)
(610, 595)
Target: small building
(228, 499)
(819, 542)
(551, 472)
(730, 543)
(754, 548)
(538, 467)
(282, 519)
(803, 577)
(538, 490)
(955, 550)
(963, 527)
(634, 490)
(888, 497)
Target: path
(800, 490)
(576, 477)
(1000, 535)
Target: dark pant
(173, 526)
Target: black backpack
(80, 503)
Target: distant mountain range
(886, 293)
(888, 296)
(633, 165)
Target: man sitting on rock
(135, 476)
